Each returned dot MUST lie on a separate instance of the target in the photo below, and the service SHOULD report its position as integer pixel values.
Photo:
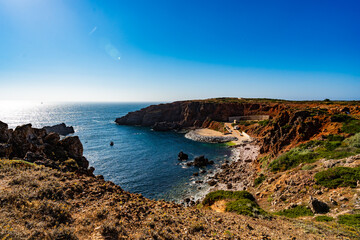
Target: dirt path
(241, 136)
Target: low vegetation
(352, 220)
(259, 180)
(324, 218)
(350, 124)
(333, 147)
(338, 177)
(298, 211)
(241, 202)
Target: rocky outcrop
(183, 156)
(200, 161)
(186, 114)
(318, 206)
(36, 145)
(61, 129)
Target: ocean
(141, 160)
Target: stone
(229, 186)
(212, 182)
(317, 206)
(111, 143)
(73, 146)
(61, 129)
(195, 174)
(183, 156)
(52, 138)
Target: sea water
(141, 160)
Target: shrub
(259, 179)
(295, 212)
(351, 126)
(352, 220)
(340, 118)
(292, 159)
(242, 202)
(338, 177)
(245, 207)
(353, 141)
(264, 122)
(212, 197)
(324, 218)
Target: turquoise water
(141, 160)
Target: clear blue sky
(67, 50)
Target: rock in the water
(183, 156)
(111, 143)
(201, 161)
(61, 129)
(318, 206)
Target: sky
(161, 50)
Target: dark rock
(203, 171)
(212, 182)
(73, 146)
(183, 156)
(164, 126)
(317, 206)
(5, 150)
(32, 157)
(333, 201)
(196, 174)
(4, 132)
(229, 186)
(201, 161)
(52, 138)
(111, 143)
(224, 165)
(61, 129)
(198, 181)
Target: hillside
(303, 185)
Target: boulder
(52, 138)
(201, 161)
(4, 132)
(73, 146)
(5, 150)
(212, 182)
(61, 129)
(182, 156)
(318, 206)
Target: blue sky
(65, 50)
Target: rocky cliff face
(290, 122)
(187, 114)
(36, 145)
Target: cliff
(291, 122)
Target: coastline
(235, 173)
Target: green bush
(292, 159)
(245, 207)
(295, 212)
(340, 118)
(259, 179)
(353, 141)
(212, 197)
(242, 202)
(264, 122)
(338, 177)
(324, 218)
(351, 126)
(334, 147)
(352, 220)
